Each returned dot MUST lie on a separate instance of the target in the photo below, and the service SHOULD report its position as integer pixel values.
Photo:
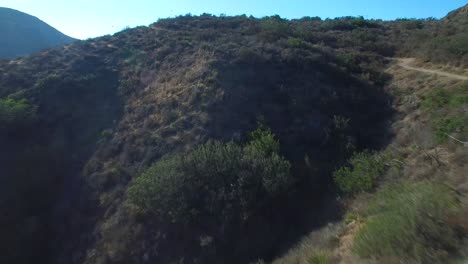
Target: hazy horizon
(87, 19)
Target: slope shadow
(321, 115)
(44, 161)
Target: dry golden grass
(442, 67)
(413, 129)
(319, 242)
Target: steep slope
(22, 34)
(424, 152)
(110, 107)
(43, 153)
(459, 14)
(80, 123)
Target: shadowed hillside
(22, 34)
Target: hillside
(442, 42)
(204, 139)
(22, 34)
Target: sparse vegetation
(441, 98)
(446, 109)
(446, 126)
(319, 257)
(408, 221)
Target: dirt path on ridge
(405, 63)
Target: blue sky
(91, 18)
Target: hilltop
(22, 34)
(204, 139)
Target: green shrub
(439, 99)
(217, 182)
(351, 217)
(319, 257)
(407, 220)
(348, 23)
(49, 80)
(16, 113)
(133, 57)
(273, 28)
(410, 24)
(248, 55)
(453, 45)
(263, 140)
(350, 60)
(297, 43)
(361, 175)
(447, 111)
(448, 125)
(436, 99)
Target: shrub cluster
(447, 111)
(349, 23)
(214, 182)
(361, 175)
(15, 113)
(433, 40)
(273, 28)
(408, 221)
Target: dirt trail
(405, 63)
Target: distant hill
(443, 41)
(22, 34)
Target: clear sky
(91, 18)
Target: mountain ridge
(23, 34)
